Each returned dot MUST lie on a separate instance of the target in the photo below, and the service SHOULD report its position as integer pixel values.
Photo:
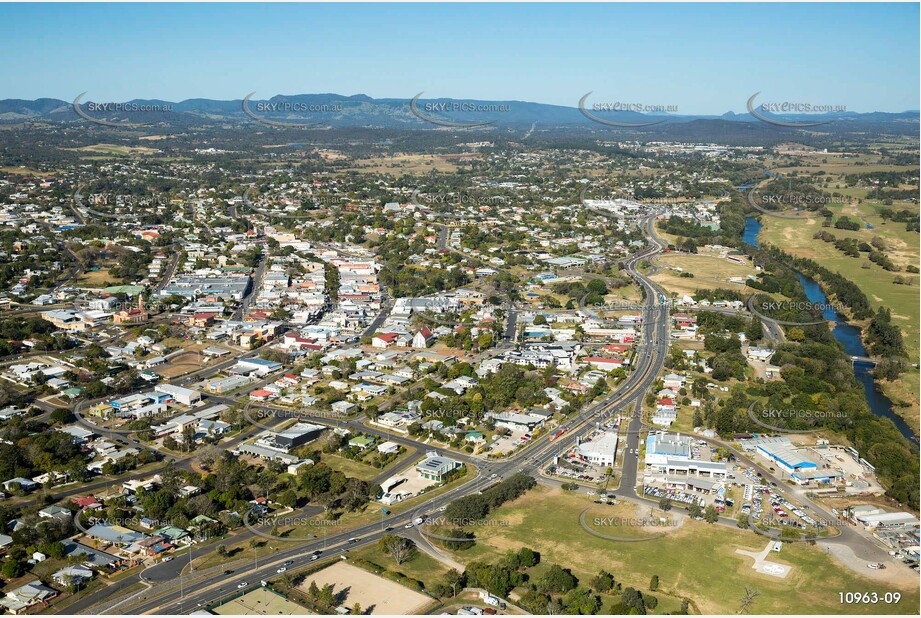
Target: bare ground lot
(374, 593)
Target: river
(847, 335)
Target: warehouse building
(185, 396)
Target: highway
(168, 598)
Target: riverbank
(851, 335)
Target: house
(384, 340)
(24, 484)
(388, 448)
(343, 407)
(423, 338)
(260, 395)
(362, 442)
(76, 575)
(27, 595)
(759, 354)
(54, 511)
(604, 364)
(673, 381)
(202, 320)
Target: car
(289, 562)
(443, 509)
(242, 585)
(167, 559)
(409, 525)
(228, 572)
(492, 476)
(354, 539)
(281, 569)
(314, 557)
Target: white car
(313, 557)
(242, 585)
(167, 559)
(281, 570)
(409, 525)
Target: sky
(700, 58)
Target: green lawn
(422, 566)
(697, 561)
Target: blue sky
(703, 58)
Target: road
(647, 366)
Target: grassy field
(115, 149)
(357, 469)
(95, 279)
(697, 561)
(710, 272)
(409, 164)
(422, 566)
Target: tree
(399, 548)
(603, 582)
(694, 510)
(747, 599)
(633, 599)
(711, 515)
(581, 601)
(527, 557)
(557, 580)
(665, 503)
(654, 583)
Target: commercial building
(185, 396)
(228, 287)
(298, 434)
(802, 468)
(435, 468)
(600, 451)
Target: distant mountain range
(363, 111)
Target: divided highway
(198, 592)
